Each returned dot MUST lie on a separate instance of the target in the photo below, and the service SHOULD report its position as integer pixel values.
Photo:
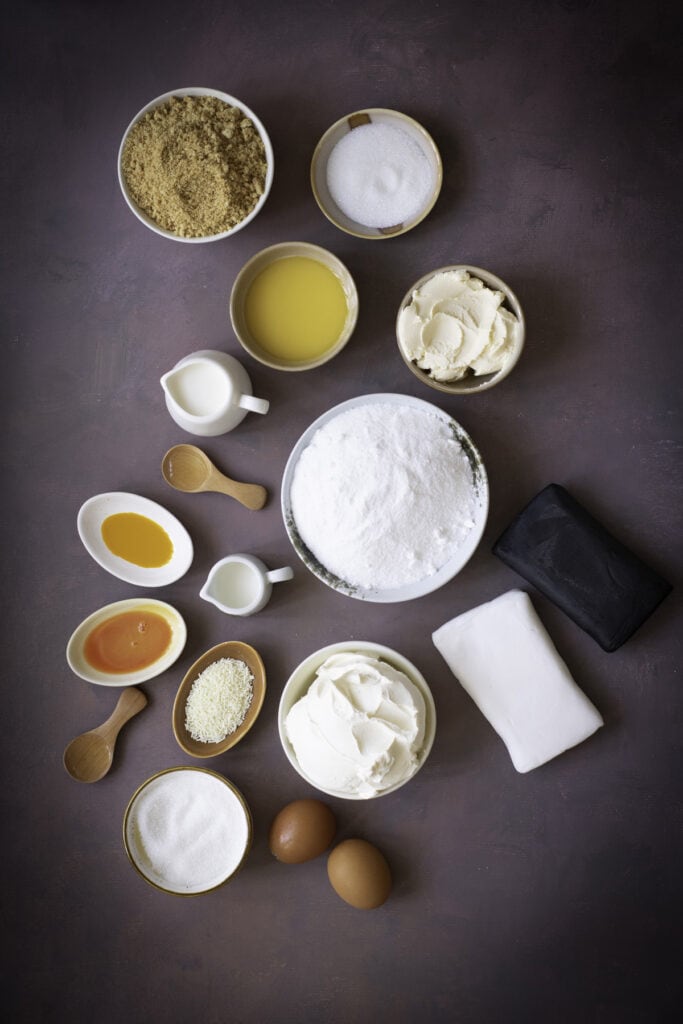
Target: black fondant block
(558, 546)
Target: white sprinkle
(219, 700)
(379, 176)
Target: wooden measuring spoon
(188, 468)
(88, 758)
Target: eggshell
(359, 873)
(301, 831)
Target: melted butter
(296, 309)
(137, 539)
(127, 642)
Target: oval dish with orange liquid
(127, 642)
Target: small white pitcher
(209, 393)
(242, 584)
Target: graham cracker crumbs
(195, 165)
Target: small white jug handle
(280, 575)
(254, 404)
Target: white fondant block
(504, 658)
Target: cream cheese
(360, 727)
(455, 325)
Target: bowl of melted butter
(293, 306)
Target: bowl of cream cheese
(356, 720)
(460, 329)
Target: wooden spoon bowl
(89, 756)
(188, 468)
(229, 649)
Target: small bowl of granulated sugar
(219, 699)
(187, 831)
(376, 173)
(195, 165)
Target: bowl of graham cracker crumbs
(195, 165)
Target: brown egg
(359, 873)
(301, 831)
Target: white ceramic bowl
(420, 587)
(95, 510)
(75, 654)
(231, 101)
(321, 155)
(263, 259)
(469, 385)
(148, 870)
(303, 675)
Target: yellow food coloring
(137, 539)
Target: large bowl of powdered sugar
(385, 498)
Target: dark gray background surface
(552, 896)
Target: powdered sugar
(383, 496)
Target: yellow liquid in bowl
(295, 309)
(137, 539)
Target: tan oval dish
(75, 648)
(129, 844)
(303, 675)
(467, 385)
(321, 154)
(230, 649)
(231, 101)
(253, 268)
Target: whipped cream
(455, 325)
(360, 727)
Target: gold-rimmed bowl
(248, 274)
(229, 649)
(469, 384)
(323, 150)
(145, 864)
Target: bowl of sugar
(187, 831)
(293, 306)
(376, 173)
(385, 498)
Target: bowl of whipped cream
(460, 329)
(356, 720)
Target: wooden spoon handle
(252, 496)
(129, 704)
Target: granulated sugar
(383, 495)
(379, 176)
(187, 831)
